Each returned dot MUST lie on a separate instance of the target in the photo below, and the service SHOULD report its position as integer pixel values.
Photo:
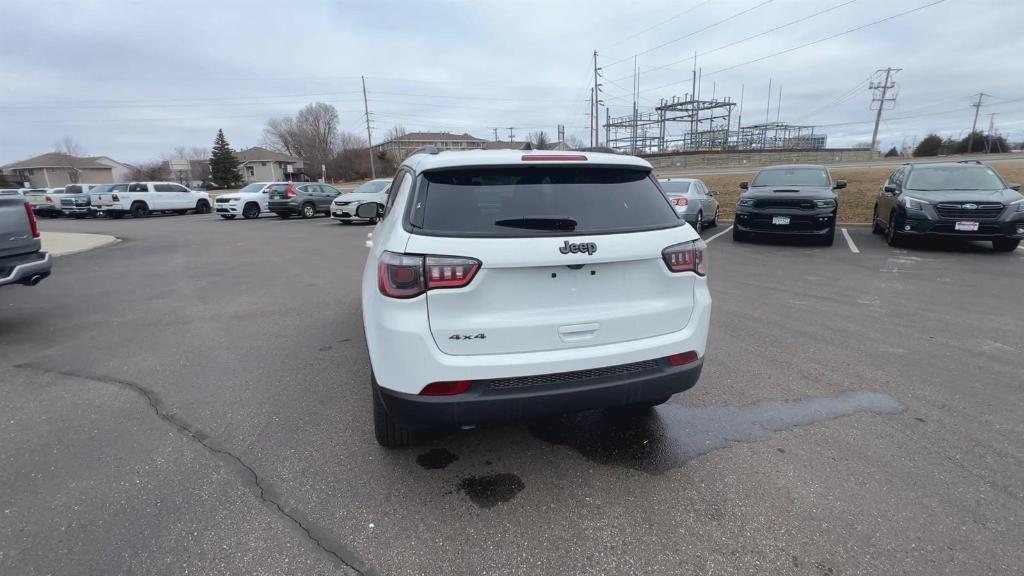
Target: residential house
(401, 147)
(502, 145)
(261, 165)
(55, 169)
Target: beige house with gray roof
(258, 164)
(55, 169)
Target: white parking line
(717, 235)
(849, 241)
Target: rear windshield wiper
(539, 223)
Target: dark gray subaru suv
(796, 199)
(966, 200)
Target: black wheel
(283, 215)
(115, 215)
(202, 207)
(228, 216)
(139, 210)
(699, 226)
(714, 221)
(251, 210)
(1005, 244)
(829, 238)
(892, 236)
(389, 433)
(876, 228)
(308, 211)
(738, 235)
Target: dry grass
(856, 202)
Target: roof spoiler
(424, 150)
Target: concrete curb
(68, 243)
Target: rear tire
(308, 211)
(1005, 244)
(228, 216)
(876, 228)
(140, 210)
(699, 227)
(251, 210)
(202, 207)
(714, 221)
(389, 432)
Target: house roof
(57, 160)
(437, 137)
(260, 154)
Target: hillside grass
(856, 201)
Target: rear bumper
(25, 268)
(497, 400)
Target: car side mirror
(714, 194)
(369, 210)
(1015, 187)
(744, 185)
(889, 189)
(840, 184)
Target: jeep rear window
(524, 201)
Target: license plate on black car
(780, 220)
(966, 226)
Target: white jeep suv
(508, 284)
(250, 201)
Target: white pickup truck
(140, 199)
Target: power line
(658, 25)
(805, 45)
(694, 33)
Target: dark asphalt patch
(493, 489)
(436, 458)
(671, 435)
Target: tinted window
(792, 177)
(116, 188)
(163, 188)
(101, 189)
(73, 189)
(177, 188)
(278, 188)
(675, 188)
(138, 188)
(540, 201)
(954, 178)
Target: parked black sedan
(796, 199)
(966, 200)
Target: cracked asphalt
(194, 400)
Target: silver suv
(305, 199)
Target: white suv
(249, 201)
(507, 284)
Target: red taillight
(686, 257)
(408, 276)
(554, 158)
(32, 220)
(680, 201)
(446, 388)
(292, 192)
(683, 359)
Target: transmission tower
(884, 97)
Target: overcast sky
(133, 80)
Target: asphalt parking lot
(194, 399)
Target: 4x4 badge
(581, 248)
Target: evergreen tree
(930, 146)
(223, 163)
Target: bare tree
(394, 133)
(73, 151)
(312, 135)
(150, 171)
(540, 140)
(350, 140)
(575, 142)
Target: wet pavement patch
(667, 437)
(490, 490)
(436, 458)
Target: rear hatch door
(544, 284)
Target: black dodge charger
(794, 199)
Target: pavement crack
(333, 549)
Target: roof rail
(968, 162)
(424, 150)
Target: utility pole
(511, 136)
(974, 126)
(885, 86)
(767, 114)
(369, 135)
(607, 127)
(991, 132)
(778, 106)
(590, 103)
(495, 134)
(595, 137)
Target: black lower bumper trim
(487, 403)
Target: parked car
(966, 200)
(44, 201)
(140, 199)
(692, 200)
(249, 202)
(343, 209)
(508, 284)
(797, 199)
(22, 260)
(76, 202)
(306, 199)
